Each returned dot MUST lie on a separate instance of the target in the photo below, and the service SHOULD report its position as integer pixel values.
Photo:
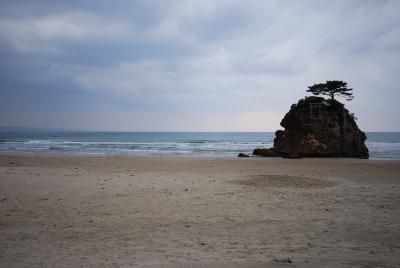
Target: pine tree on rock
(332, 88)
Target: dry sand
(69, 211)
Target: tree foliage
(332, 88)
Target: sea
(381, 145)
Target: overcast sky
(193, 65)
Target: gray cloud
(198, 65)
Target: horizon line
(34, 129)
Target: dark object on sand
(317, 127)
(283, 260)
(243, 155)
(266, 152)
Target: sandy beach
(92, 211)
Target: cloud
(209, 59)
(42, 34)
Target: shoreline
(133, 211)
(183, 156)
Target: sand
(70, 211)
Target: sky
(206, 65)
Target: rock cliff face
(316, 127)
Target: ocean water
(382, 145)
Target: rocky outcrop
(266, 152)
(316, 127)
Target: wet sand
(70, 211)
